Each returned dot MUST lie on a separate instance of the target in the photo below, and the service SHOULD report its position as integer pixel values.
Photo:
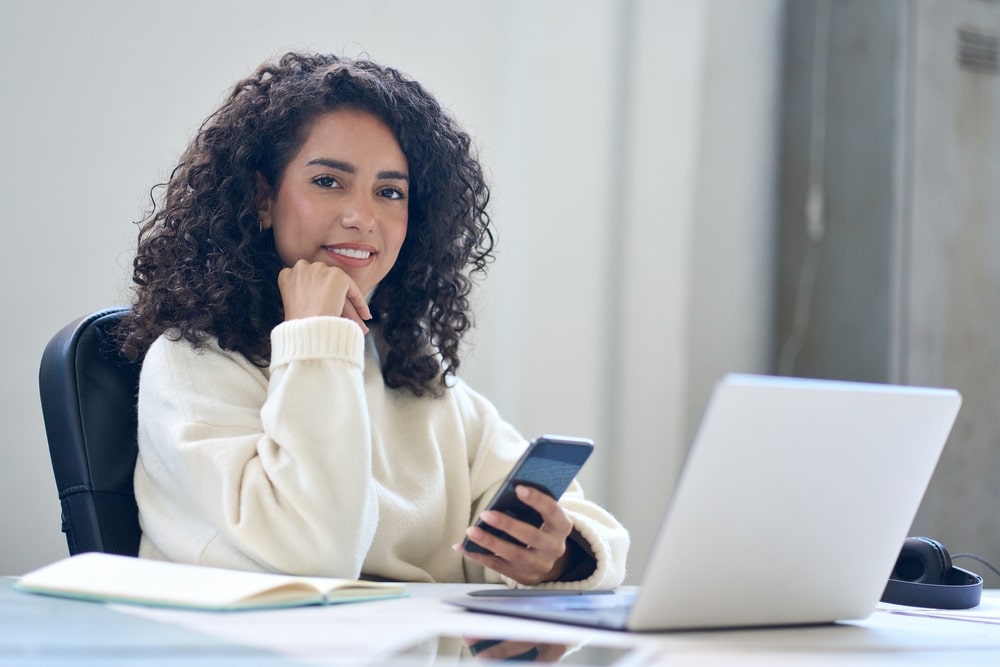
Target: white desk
(36, 630)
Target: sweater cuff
(581, 561)
(317, 338)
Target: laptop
(790, 509)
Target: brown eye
(326, 182)
(392, 193)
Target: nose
(359, 213)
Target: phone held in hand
(550, 464)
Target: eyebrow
(349, 168)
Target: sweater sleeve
(239, 470)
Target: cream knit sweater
(313, 466)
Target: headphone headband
(962, 590)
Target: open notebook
(113, 578)
(791, 508)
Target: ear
(262, 200)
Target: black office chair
(88, 394)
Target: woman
(301, 293)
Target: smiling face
(342, 199)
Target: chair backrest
(88, 394)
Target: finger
(551, 652)
(312, 289)
(503, 555)
(528, 575)
(351, 313)
(537, 548)
(528, 535)
(520, 561)
(503, 548)
(554, 518)
(357, 300)
(523, 573)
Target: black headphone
(924, 577)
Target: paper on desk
(988, 611)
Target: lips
(353, 253)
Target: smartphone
(550, 464)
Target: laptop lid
(791, 506)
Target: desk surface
(38, 630)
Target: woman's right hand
(311, 289)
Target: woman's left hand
(543, 556)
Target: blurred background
(681, 188)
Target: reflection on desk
(466, 650)
(36, 630)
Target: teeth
(352, 253)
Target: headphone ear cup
(924, 577)
(923, 561)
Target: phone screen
(549, 464)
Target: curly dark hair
(204, 268)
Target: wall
(952, 301)
(629, 145)
(896, 279)
(696, 277)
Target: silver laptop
(791, 508)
